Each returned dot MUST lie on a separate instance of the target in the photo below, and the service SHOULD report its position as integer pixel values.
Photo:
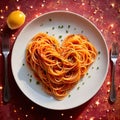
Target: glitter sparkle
(1, 87)
(97, 103)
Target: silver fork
(5, 52)
(114, 56)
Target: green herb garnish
(69, 95)
(66, 31)
(92, 67)
(82, 31)
(83, 83)
(78, 87)
(74, 28)
(98, 52)
(30, 80)
(60, 36)
(86, 73)
(89, 76)
(53, 28)
(60, 26)
(97, 68)
(37, 82)
(68, 26)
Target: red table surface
(105, 14)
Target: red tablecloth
(105, 14)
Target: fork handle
(6, 93)
(112, 89)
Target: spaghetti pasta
(60, 68)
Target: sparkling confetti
(108, 83)
(31, 6)
(15, 111)
(26, 115)
(58, 2)
(83, 4)
(107, 110)
(1, 87)
(113, 32)
(92, 118)
(18, 7)
(2, 17)
(6, 7)
(20, 108)
(112, 5)
(113, 110)
(44, 1)
(71, 116)
(97, 103)
(1, 30)
(66, 9)
(111, 25)
(62, 114)
(42, 5)
(1, 11)
(32, 108)
(108, 91)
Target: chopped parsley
(60, 36)
(37, 82)
(30, 80)
(92, 67)
(78, 87)
(74, 28)
(61, 40)
(68, 26)
(66, 31)
(53, 28)
(98, 52)
(69, 95)
(82, 31)
(83, 83)
(89, 76)
(60, 26)
(97, 68)
(86, 73)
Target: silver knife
(5, 52)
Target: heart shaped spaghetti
(60, 68)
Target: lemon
(15, 19)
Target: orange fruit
(15, 19)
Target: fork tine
(115, 49)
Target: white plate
(60, 24)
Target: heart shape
(60, 67)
